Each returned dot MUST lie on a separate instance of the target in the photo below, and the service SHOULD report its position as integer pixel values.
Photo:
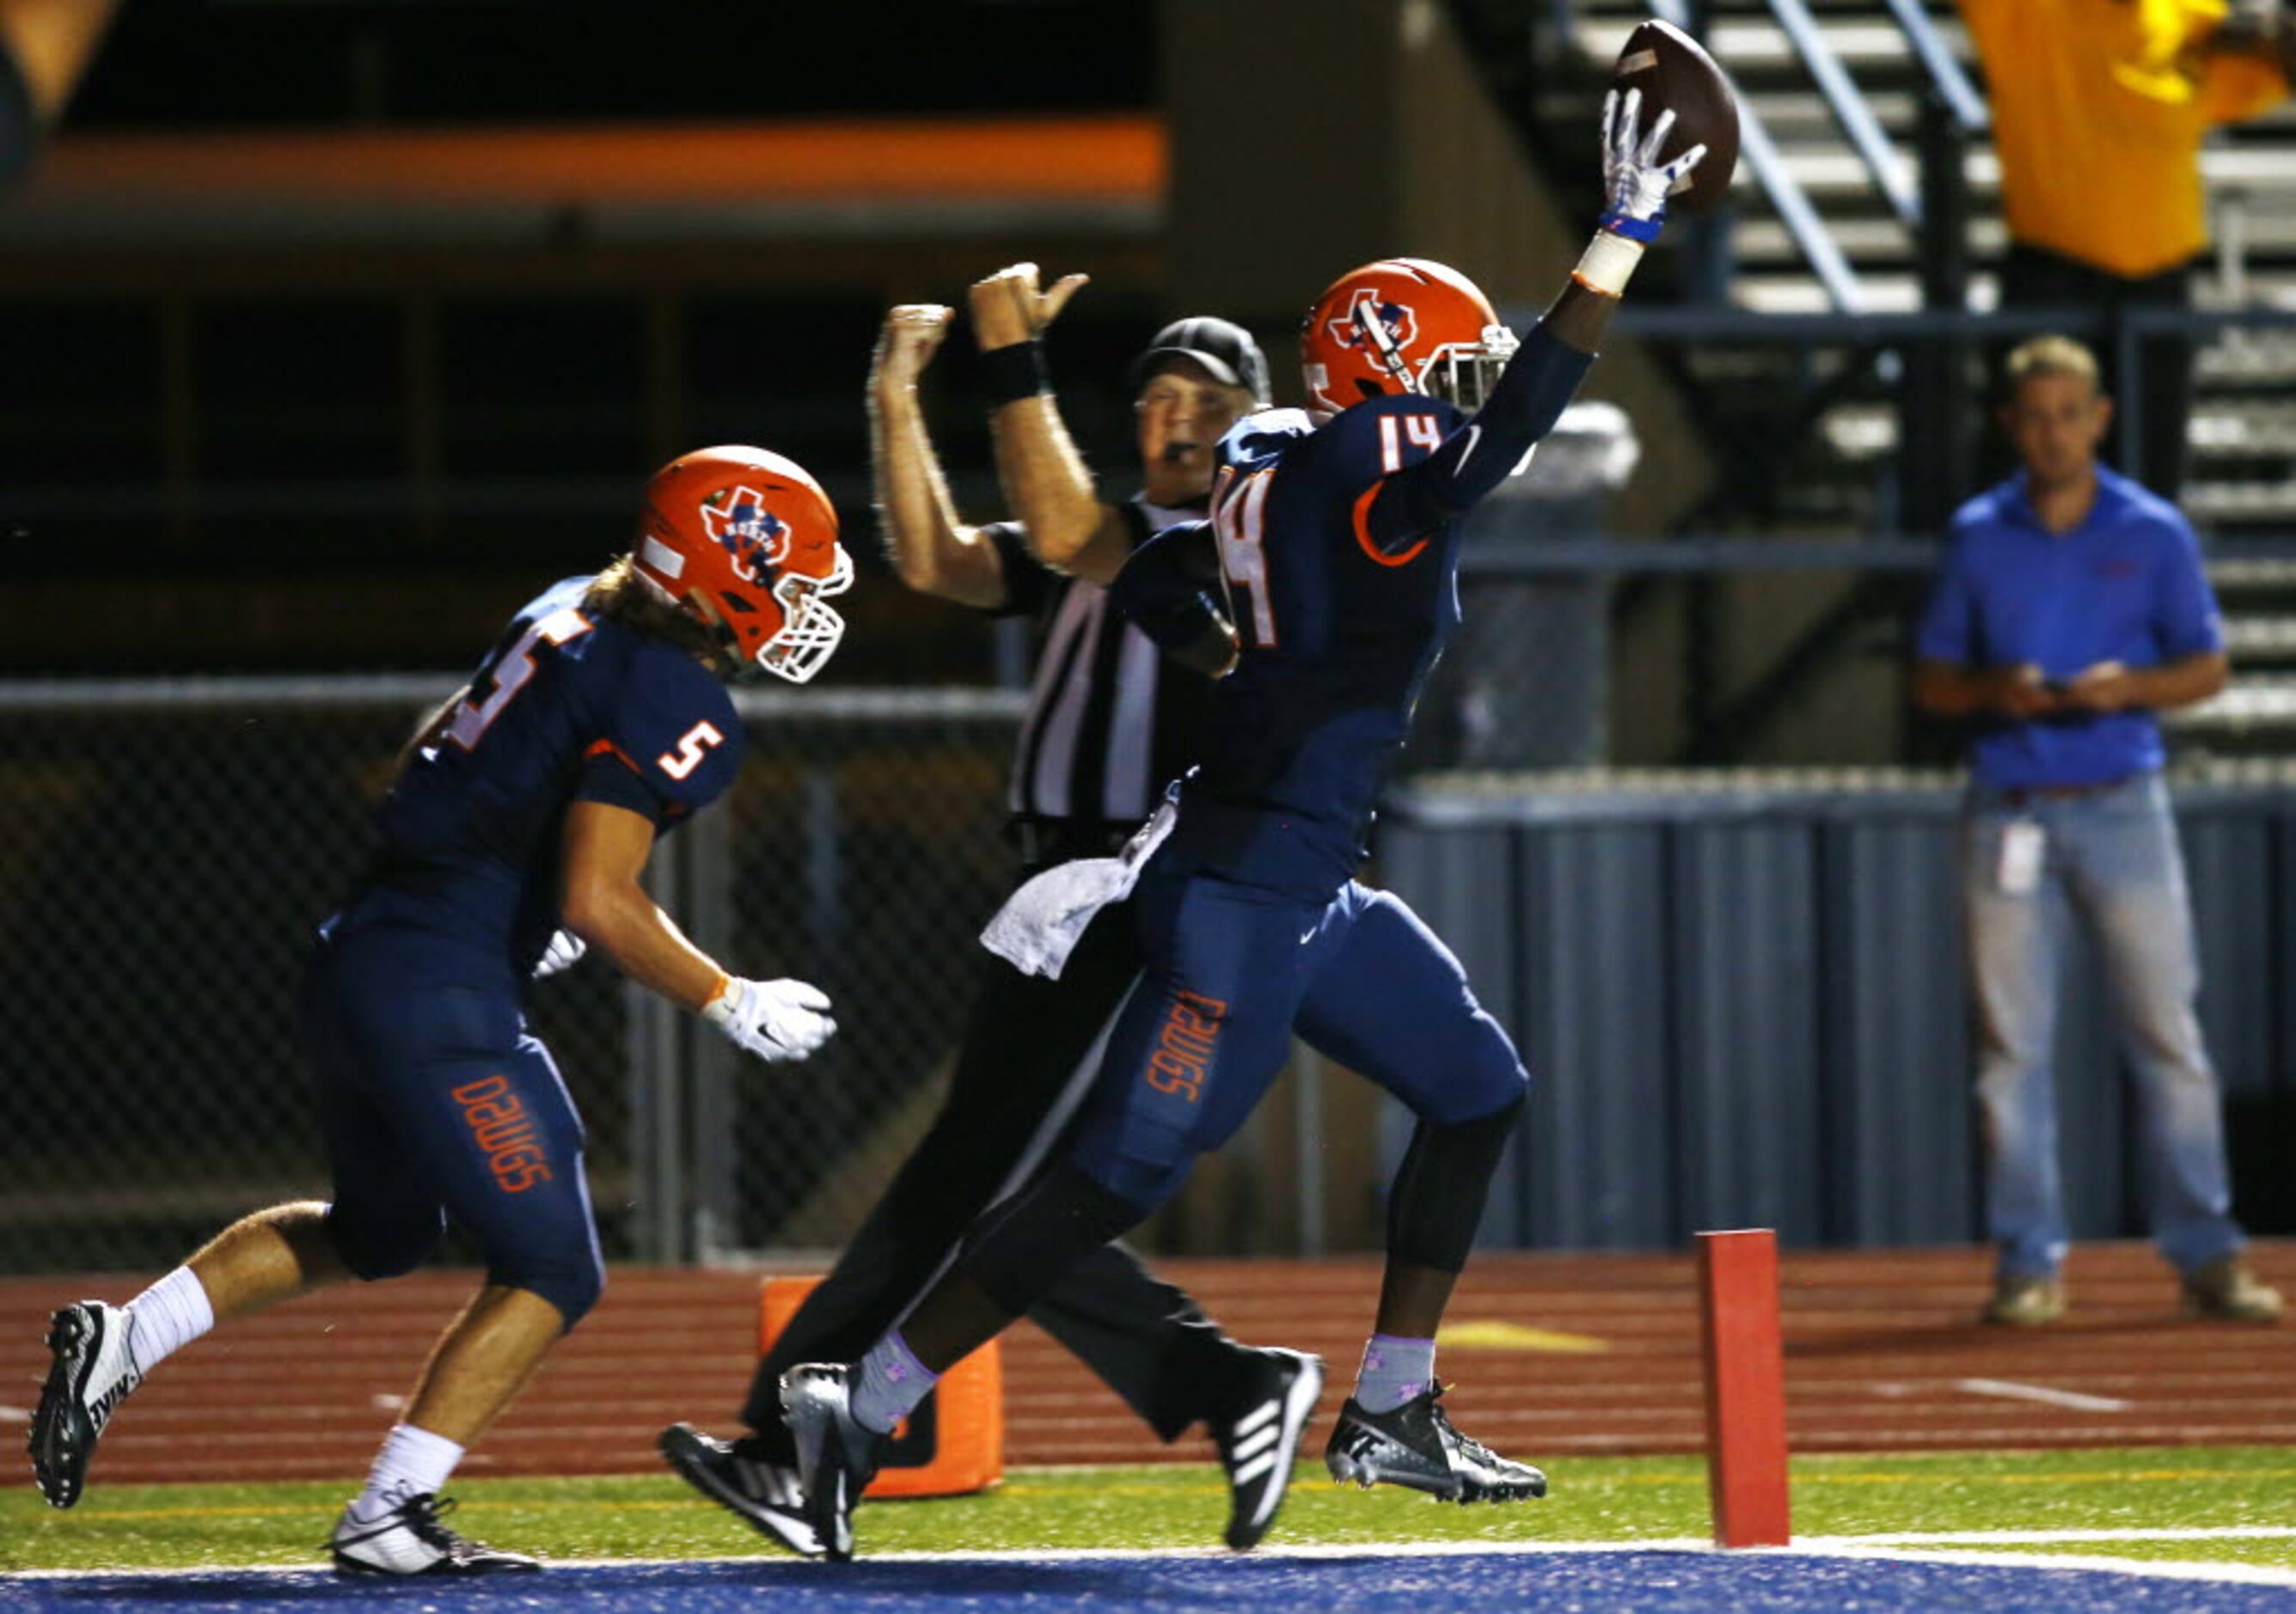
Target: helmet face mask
(745, 541)
(1464, 376)
(1399, 326)
(811, 628)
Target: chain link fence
(172, 846)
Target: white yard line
(2069, 1399)
(2153, 1568)
(2034, 1539)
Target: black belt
(1042, 842)
(2031, 794)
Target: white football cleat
(411, 1540)
(91, 1371)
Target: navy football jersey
(568, 707)
(1337, 635)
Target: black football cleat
(837, 1456)
(91, 1371)
(1414, 1446)
(411, 1539)
(766, 1495)
(1258, 1446)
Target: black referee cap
(1221, 347)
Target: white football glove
(563, 953)
(1635, 183)
(775, 1019)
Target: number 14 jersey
(1337, 631)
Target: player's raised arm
(933, 550)
(1064, 521)
(1552, 356)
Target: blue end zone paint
(1645, 1582)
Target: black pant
(1025, 1039)
(2032, 277)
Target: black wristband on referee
(1009, 374)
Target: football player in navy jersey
(529, 800)
(1324, 587)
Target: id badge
(2018, 873)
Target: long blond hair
(620, 593)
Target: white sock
(167, 1317)
(413, 1463)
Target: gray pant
(2109, 861)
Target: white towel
(1039, 924)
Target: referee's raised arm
(1064, 521)
(932, 549)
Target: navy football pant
(435, 1102)
(1021, 1071)
(1232, 969)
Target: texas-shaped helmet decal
(756, 538)
(1353, 328)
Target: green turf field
(1616, 1499)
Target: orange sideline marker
(1745, 1386)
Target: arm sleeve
(2188, 620)
(1165, 587)
(1481, 453)
(1945, 630)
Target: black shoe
(836, 1456)
(410, 1540)
(91, 1371)
(1257, 1448)
(1415, 1445)
(765, 1494)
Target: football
(1674, 72)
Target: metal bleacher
(1838, 90)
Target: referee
(1109, 724)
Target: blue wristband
(1643, 230)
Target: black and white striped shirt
(1110, 721)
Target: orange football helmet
(745, 540)
(1402, 325)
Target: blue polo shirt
(2124, 586)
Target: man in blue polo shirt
(2070, 608)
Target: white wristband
(1608, 264)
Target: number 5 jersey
(569, 706)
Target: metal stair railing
(1811, 239)
(1940, 68)
(1850, 109)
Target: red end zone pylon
(1745, 1386)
